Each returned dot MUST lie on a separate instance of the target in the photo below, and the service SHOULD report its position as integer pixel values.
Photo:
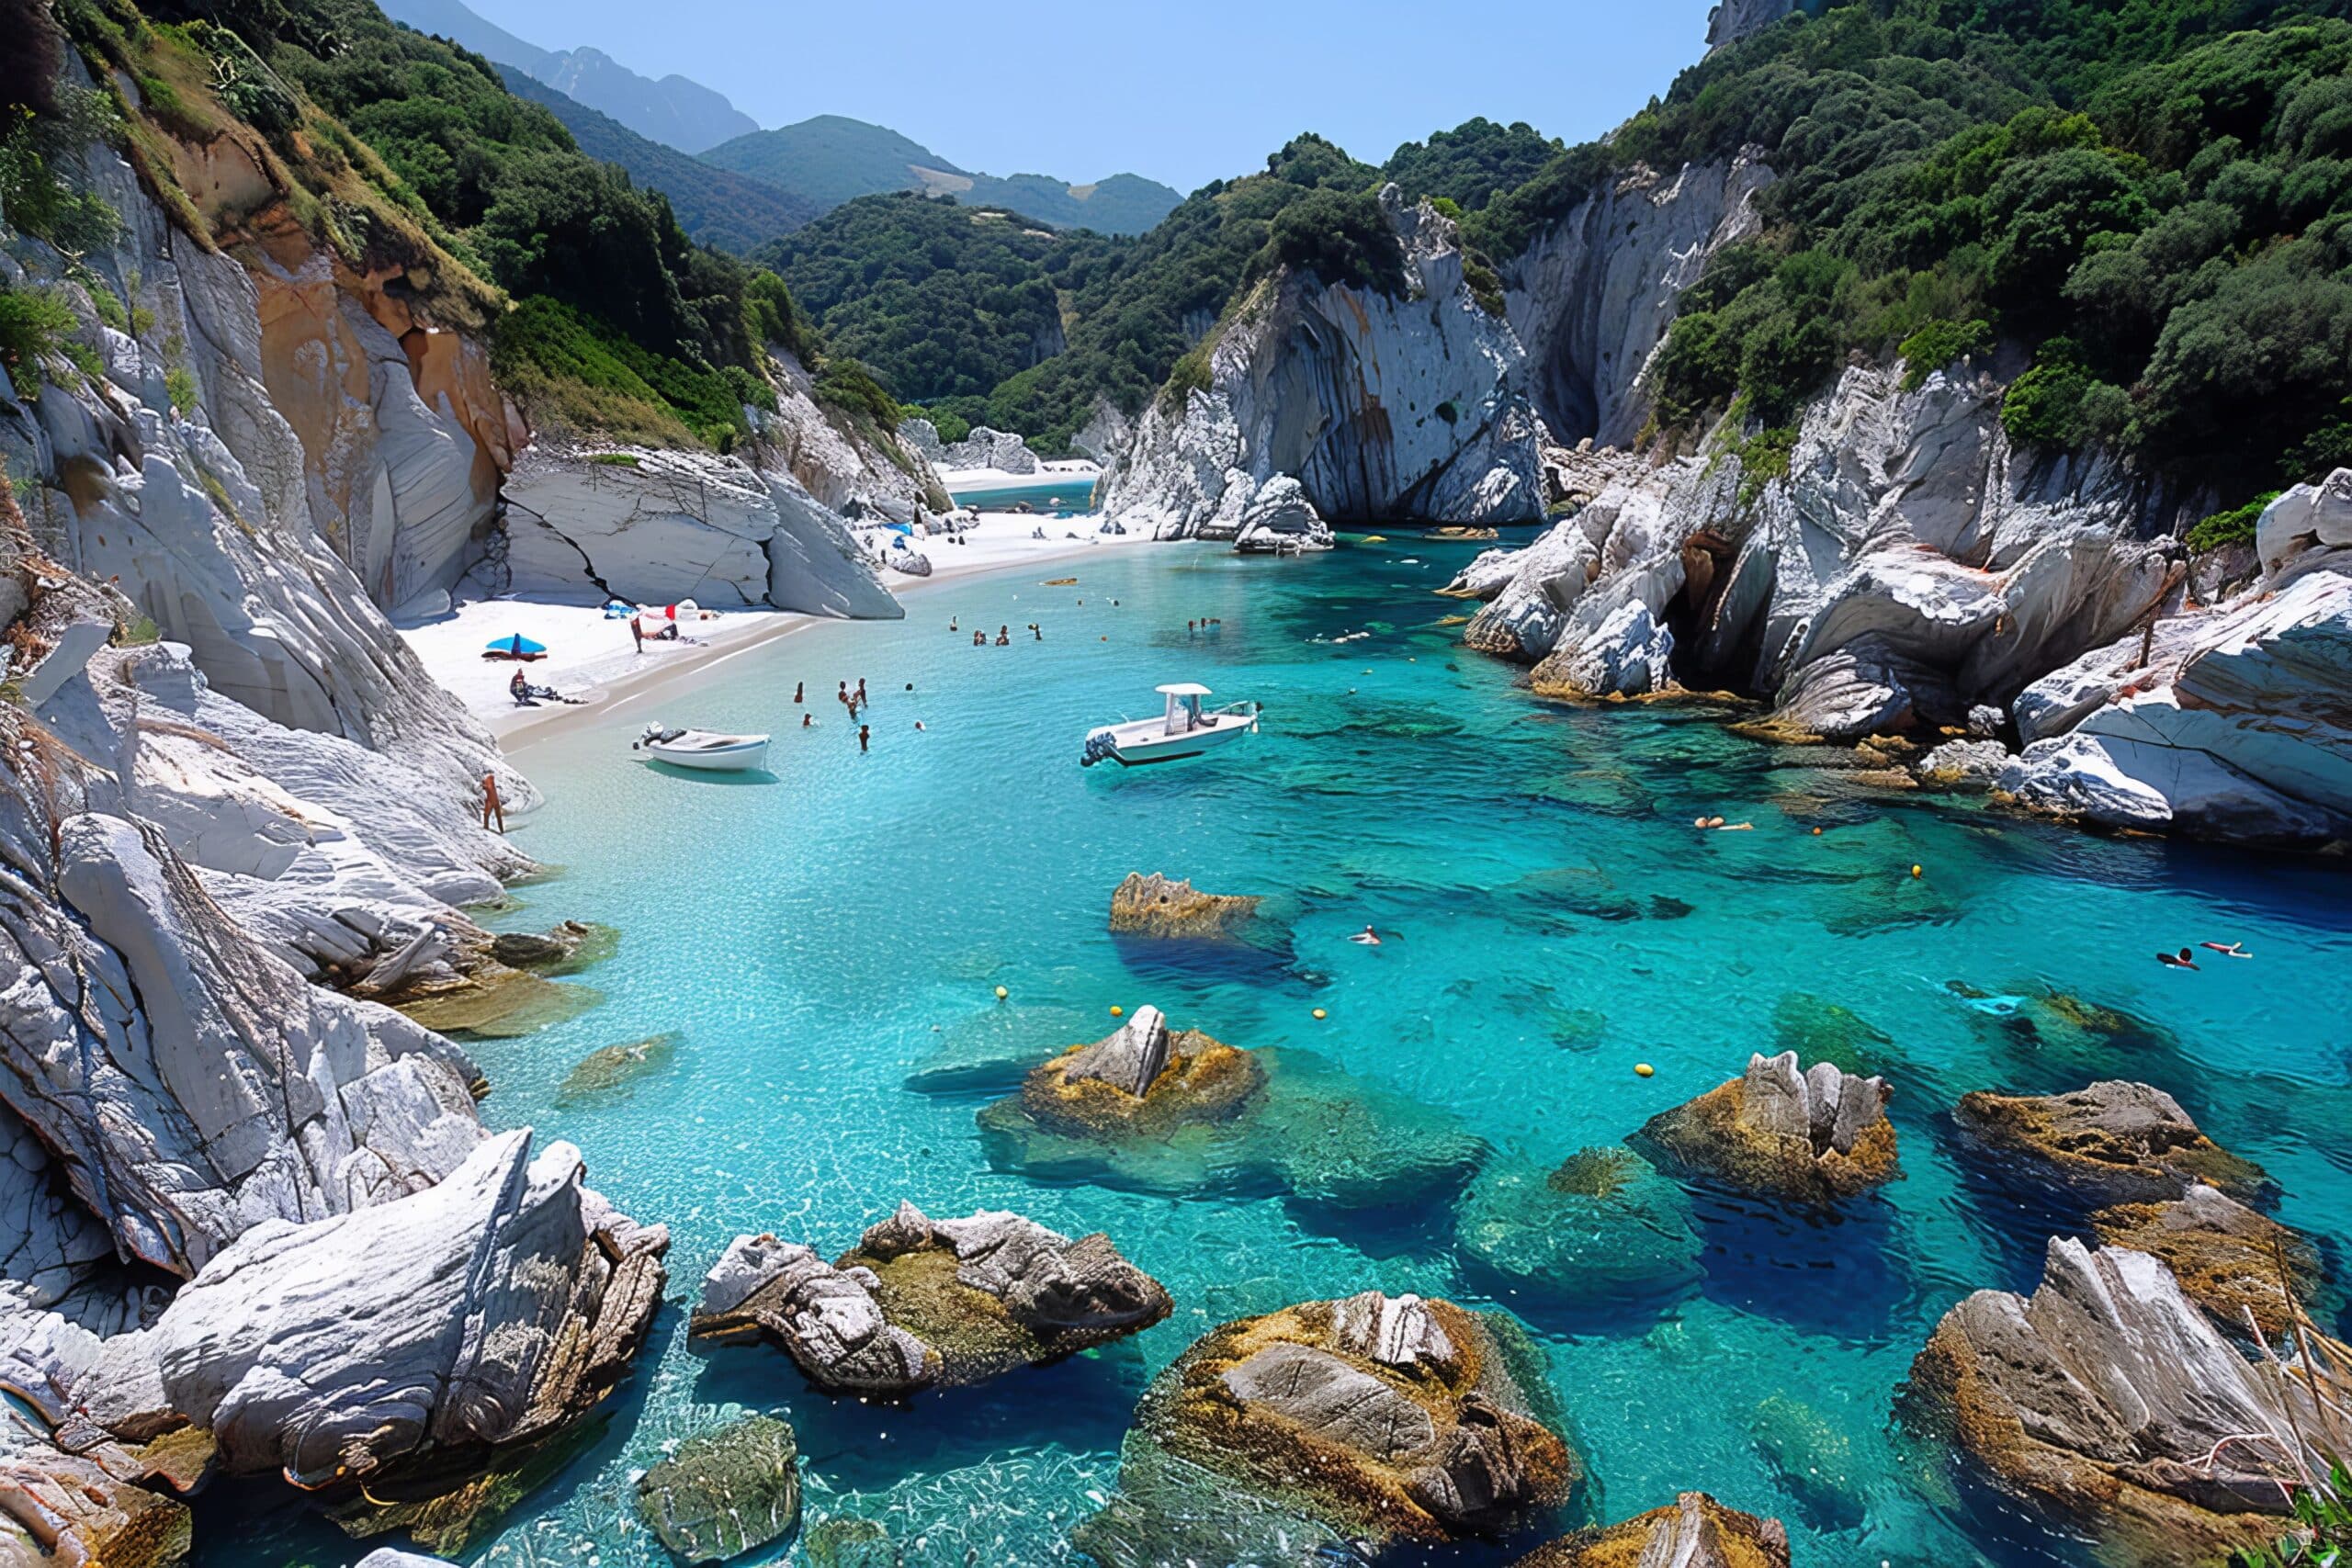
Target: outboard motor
(1102, 744)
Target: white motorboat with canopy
(707, 749)
(1183, 729)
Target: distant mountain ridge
(831, 159)
(731, 211)
(675, 111)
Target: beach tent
(619, 610)
(515, 646)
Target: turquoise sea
(1064, 495)
(813, 937)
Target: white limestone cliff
(1380, 407)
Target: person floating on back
(2227, 949)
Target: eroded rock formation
(2236, 1264)
(2115, 1142)
(1163, 907)
(1802, 1135)
(724, 1493)
(1384, 1418)
(1141, 1080)
(1696, 1532)
(1378, 406)
(921, 1302)
(2110, 1399)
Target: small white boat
(705, 749)
(1182, 730)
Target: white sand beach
(592, 658)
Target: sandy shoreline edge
(612, 676)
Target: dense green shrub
(1939, 343)
(2235, 526)
(33, 323)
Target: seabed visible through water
(818, 951)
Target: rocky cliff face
(1734, 19)
(1380, 407)
(1913, 571)
(1592, 296)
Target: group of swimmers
(1004, 633)
(853, 703)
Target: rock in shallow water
(614, 1072)
(2227, 1258)
(1603, 1226)
(845, 1542)
(725, 1493)
(1801, 1136)
(921, 1301)
(1159, 906)
(2108, 1398)
(2115, 1142)
(1696, 1532)
(1384, 1418)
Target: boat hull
(730, 760)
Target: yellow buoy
(1116, 1010)
(1002, 993)
(1643, 1069)
(1915, 870)
(1320, 1013)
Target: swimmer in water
(2183, 960)
(2227, 949)
(1367, 936)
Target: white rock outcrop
(657, 527)
(1909, 568)
(1593, 294)
(1379, 406)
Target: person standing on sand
(636, 630)
(490, 805)
(864, 736)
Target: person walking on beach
(636, 631)
(864, 736)
(491, 807)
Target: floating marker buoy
(1816, 833)
(1116, 1010)
(1643, 1069)
(1002, 993)
(1320, 1013)
(1915, 870)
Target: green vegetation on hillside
(405, 154)
(734, 212)
(941, 299)
(2154, 197)
(831, 159)
(1474, 164)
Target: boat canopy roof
(1182, 689)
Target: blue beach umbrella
(513, 645)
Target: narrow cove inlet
(807, 992)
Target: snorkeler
(2182, 960)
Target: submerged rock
(567, 947)
(2227, 1258)
(2115, 1142)
(725, 1493)
(496, 1002)
(846, 1542)
(613, 1072)
(64, 1508)
(1383, 1418)
(1696, 1532)
(2110, 1399)
(1801, 1136)
(1159, 906)
(1818, 1030)
(921, 1302)
(993, 1049)
(1604, 1225)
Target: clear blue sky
(1184, 93)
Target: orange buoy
(1816, 833)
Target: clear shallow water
(813, 937)
(1061, 495)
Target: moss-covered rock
(496, 1002)
(725, 1493)
(1158, 905)
(2228, 1259)
(1604, 1225)
(613, 1072)
(1142, 1080)
(2112, 1142)
(1383, 1418)
(1809, 1137)
(567, 948)
(844, 1542)
(1696, 1532)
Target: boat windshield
(1183, 713)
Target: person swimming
(2184, 959)
(806, 720)
(2227, 949)
(1367, 936)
